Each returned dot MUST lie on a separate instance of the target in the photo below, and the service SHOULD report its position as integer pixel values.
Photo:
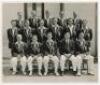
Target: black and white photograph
(49, 42)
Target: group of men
(50, 39)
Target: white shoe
(14, 72)
(40, 74)
(57, 74)
(78, 74)
(45, 73)
(30, 74)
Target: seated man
(50, 49)
(35, 54)
(82, 54)
(19, 55)
(66, 47)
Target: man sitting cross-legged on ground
(19, 57)
(50, 49)
(35, 54)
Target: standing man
(57, 30)
(27, 35)
(42, 31)
(19, 57)
(19, 21)
(12, 35)
(71, 28)
(33, 20)
(35, 54)
(50, 51)
(87, 34)
(47, 19)
(61, 19)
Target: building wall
(84, 11)
(9, 12)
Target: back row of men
(55, 39)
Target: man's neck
(49, 39)
(14, 27)
(19, 41)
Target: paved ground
(68, 77)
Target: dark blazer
(34, 25)
(35, 49)
(50, 48)
(66, 47)
(71, 30)
(56, 32)
(47, 24)
(20, 26)
(42, 33)
(19, 48)
(12, 37)
(80, 46)
(60, 22)
(27, 35)
(88, 34)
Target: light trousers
(19, 59)
(63, 60)
(31, 60)
(52, 58)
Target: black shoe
(62, 73)
(74, 72)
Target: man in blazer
(20, 22)
(35, 54)
(42, 31)
(12, 34)
(19, 57)
(33, 20)
(61, 19)
(27, 35)
(87, 34)
(47, 19)
(56, 29)
(50, 51)
(66, 49)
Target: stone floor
(68, 77)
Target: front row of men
(58, 53)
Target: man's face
(70, 21)
(67, 36)
(19, 38)
(49, 35)
(84, 22)
(81, 35)
(61, 14)
(55, 21)
(27, 23)
(41, 23)
(34, 39)
(13, 23)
